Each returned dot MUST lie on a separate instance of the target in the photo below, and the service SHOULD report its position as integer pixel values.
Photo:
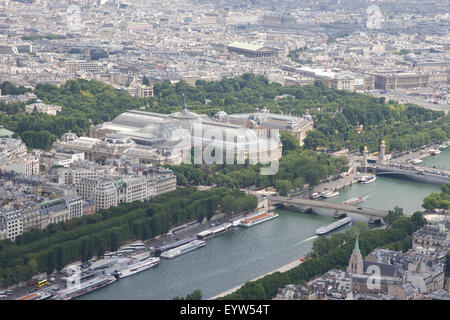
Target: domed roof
(117, 139)
(220, 115)
(69, 136)
(184, 115)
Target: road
(402, 97)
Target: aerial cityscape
(224, 150)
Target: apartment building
(12, 224)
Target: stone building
(431, 239)
(262, 121)
(168, 139)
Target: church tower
(355, 264)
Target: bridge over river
(412, 173)
(330, 208)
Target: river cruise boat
(315, 195)
(38, 295)
(176, 244)
(76, 290)
(262, 217)
(215, 231)
(137, 264)
(353, 201)
(434, 152)
(330, 194)
(333, 226)
(188, 247)
(416, 161)
(367, 179)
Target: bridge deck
(330, 205)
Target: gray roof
(386, 270)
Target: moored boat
(434, 152)
(315, 195)
(330, 194)
(136, 265)
(76, 290)
(188, 247)
(367, 179)
(265, 216)
(39, 295)
(215, 231)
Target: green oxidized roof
(357, 244)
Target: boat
(434, 152)
(136, 264)
(176, 244)
(215, 231)
(443, 147)
(315, 195)
(329, 194)
(367, 179)
(188, 247)
(265, 216)
(333, 226)
(417, 161)
(38, 295)
(76, 290)
(353, 201)
(237, 222)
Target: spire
(357, 244)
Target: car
(359, 208)
(32, 283)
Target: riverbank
(284, 268)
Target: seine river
(246, 253)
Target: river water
(246, 253)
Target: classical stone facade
(167, 139)
(262, 121)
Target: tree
(50, 261)
(289, 142)
(252, 291)
(59, 258)
(315, 139)
(283, 187)
(195, 295)
(418, 219)
(393, 215)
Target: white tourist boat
(330, 194)
(137, 264)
